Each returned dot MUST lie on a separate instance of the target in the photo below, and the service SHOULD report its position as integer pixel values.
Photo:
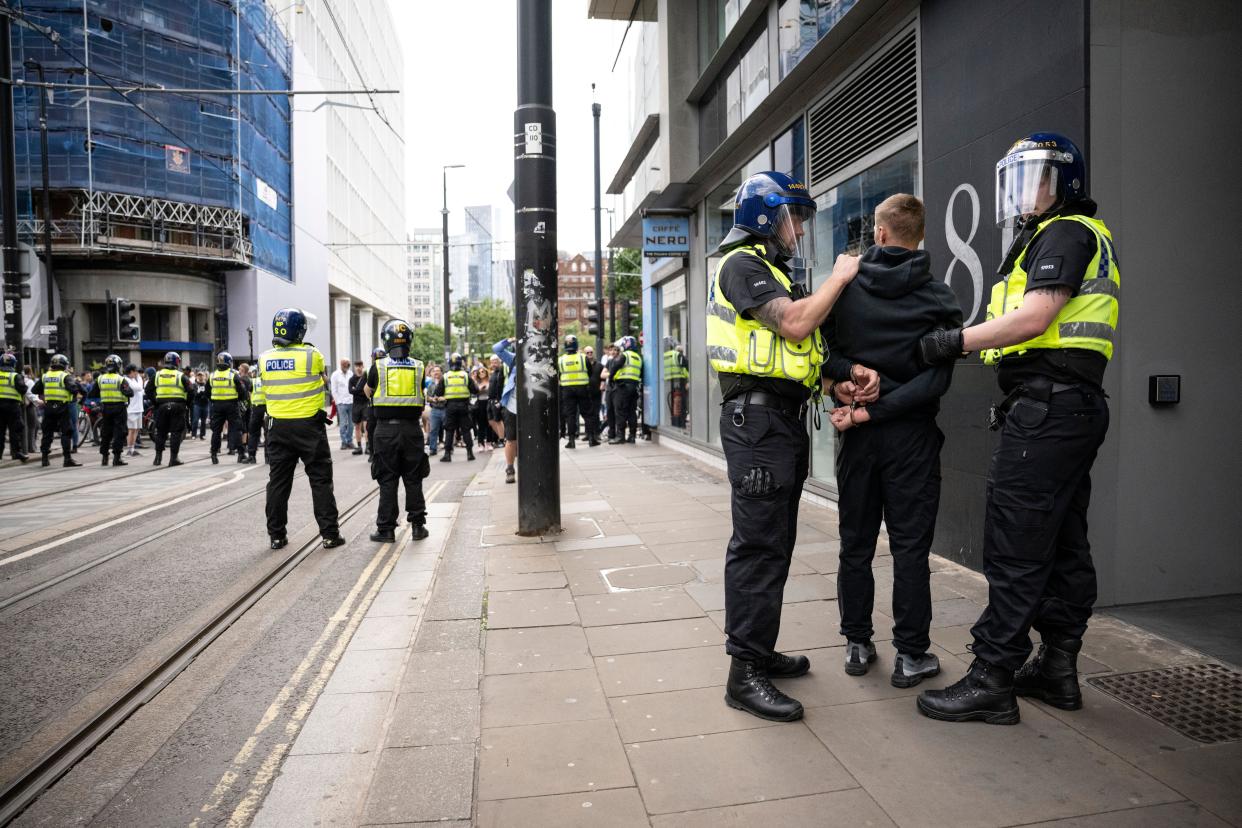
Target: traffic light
(592, 318)
(53, 337)
(631, 322)
(126, 322)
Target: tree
(574, 328)
(428, 344)
(627, 273)
(482, 323)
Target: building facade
(865, 98)
(575, 287)
(424, 263)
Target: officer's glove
(758, 483)
(940, 347)
(324, 416)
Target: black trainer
(159, 458)
(380, 536)
(1052, 675)
(333, 541)
(909, 670)
(751, 690)
(510, 474)
(280, 542)
(859, 656)
(418, 531)
(984, 694)
(781, 666)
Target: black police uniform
(113, 426)
(610, 396)
(398, 455)
(229, 411)
(13, 415)
(456, 418)
(56, 418)
(889, 468)
(1036, 557)
(170, 420)
(767, 450)
(625, 396)
(257, 427)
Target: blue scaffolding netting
(220, 150)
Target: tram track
(85, 485)
(29, 784)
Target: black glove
(941, 346)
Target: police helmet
(60, 362)
(224, 360)
(172, 359)
(455, 362)
(775, 209)
(627, 343)
(378, 353)
(8, 361)
(112, 364)
(396, 336)
(1039, 175)
(571, 344)
(289, 326)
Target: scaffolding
(201, 176)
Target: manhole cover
(1201, 701)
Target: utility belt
(1040, 392)
(786, 405)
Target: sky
(460, 91)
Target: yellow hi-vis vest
(456, 386)
(168, 385)
(54, 389)
(1088, 320)
(257, 395)
(110, 388)
(400, 382)
(736, 345)
(632, 371)
(8, 386)
(292, 381)
(222, 387)
(573, 369)
(673, 369)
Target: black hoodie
(877, 322)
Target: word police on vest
(279, 365)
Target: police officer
(763, 340)
(626, 370)
(114, 394)
(395, 387)
(369, 415)
(294, 382)
(1049, 330)
(13, 407)
(576, 394)
(677, 375)
(228, 391)
(257, 427)
(57, 387)
(456, 388)
(168, 390)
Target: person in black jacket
(362, 404)
(889, 463)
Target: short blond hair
(902, 215)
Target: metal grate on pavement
(1201, 701)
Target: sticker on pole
(534, 139)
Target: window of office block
(802, 24)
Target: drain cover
(1202, 701)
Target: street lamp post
(48, 272)
(448, 315)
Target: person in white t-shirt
(339, 385)
(133, 414)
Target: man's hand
(867, 383)
(844, 269)
(845, 391)
(940, 347)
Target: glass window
(844, 225)
(719, 219)
(155, 322)
(789, 151)
(802, 24)
(716, 18)
(675, 369)
(754, 77)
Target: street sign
(44, 330)
(666, 236)
(534, 139)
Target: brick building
(575, 287)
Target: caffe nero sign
(666, 236)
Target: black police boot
(69, 461)
(357, 450)
(104, 457)
(46, 459)
(615, 441)
(381, 536)
(750, 689)
(448, 457)
(280, 542)
(592, 440)
(985, 694)
(781, 666)
(173, 461)
(469, 453)
(333, 541)
(25, 458)
(159, 457)
(1052, 675)
(418, 531)
(215, 459)
(632, 438)
(241, 457)
(570, 444)
(117, 461)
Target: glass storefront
(843, 225)
(675, 368)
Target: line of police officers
(1049, 330)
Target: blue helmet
(172, 359)
(8, 361)
(112, 364)
(775, 208)
(59, 362)
(1039, 174)
(289, 327)
(571, 344)
(378, 353)
(224, 360)
(396, 336)
(627, 343)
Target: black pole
(48, 272)
(599, 263)
(534, 219)
(612, 301)
(13, 325)
(448, 324)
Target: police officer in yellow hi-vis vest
(168, 391)
(456, 388)
(12, 406)
(228, 392)
(1049, 331)
(257, 426)
(57, 387)
(114, 394)
(763, 341)
(576, 393)
(395, 387)
(294, 383)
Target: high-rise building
(470, 255)
(424, 266)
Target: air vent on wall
(875, 106)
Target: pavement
(577, 679)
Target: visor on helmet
(1027, 184)
(793, 234)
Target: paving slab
(648, 576)
(625, 675)
(406, 581)
(542, 698)
(535, 760)
(1180, 814)
(840, 809)
(448, 635)
(441, 670)
(671, 715)
(343, 723)
(597, 559)
(521, 566)
(579, 544)
(366, 671)
(422, 784)
(384, 632)
(536, 649)
(1123, 730)
(744, 766)
(587, 582)
(322, 789)
(530, 608)
(618, 808)
(828, 684)
(653, 635)
(711, 570)
(443, 717)
(689, 550)
(1211, 775)
(397, 602)
(636, 607)
(532, 580)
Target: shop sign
(666, 236)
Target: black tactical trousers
(457, 422)
(610, 403)
(289, 441)
(888, 471)
(113, 428)
(56, 421)
(625, 398)
(398, 456)
(13, 421)
(767, 452)
(1035, 551)
(576, 401)
(258, 413)
(221, 412)
(169, 426)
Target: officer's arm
(38, 388)
(126, 390)
(797, 319)
(1040, 306)
(929, 385)
(837, 365)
